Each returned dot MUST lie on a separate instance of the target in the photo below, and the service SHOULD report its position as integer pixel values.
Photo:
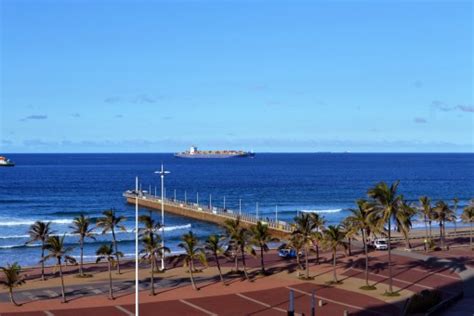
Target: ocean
(58, 187)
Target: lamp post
(224, 202)
(210, 202)
(162, 173)
(185, 197)
(240, 206)
(197, 198)
(136, 247)
(276, 214)
(256, 210)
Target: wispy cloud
(34, 117)
(143, 98)
(6, 142)
(418, 84)
(113, 99)
(466, 108)
(137, 99)
(76, 115)
(442, 106)
(420, 120)
(119, 116)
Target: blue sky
(280, 76)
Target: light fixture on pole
(240, 206)
(162, 173)
(224, 202)
(210, 201)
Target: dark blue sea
(58, 187)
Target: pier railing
(216, 211)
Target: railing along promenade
(216, 215)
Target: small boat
(4, 162)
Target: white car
(380, 244)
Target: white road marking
(48, 313)
(333, 301)
(260, 303)
(198, 308)
(120, 308)
(51, 293)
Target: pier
(215, 215)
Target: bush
(422, 302)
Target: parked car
(380, 244)
(287, 253)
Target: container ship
(193, 152)
(4, 162)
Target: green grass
(85, 276)
(333, 282)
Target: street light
(162, 173)
(136, 247)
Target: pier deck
(215, 215)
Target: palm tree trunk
(306, 251)
(191, 268)
(63, 294)
(42, 260)
(116, 250)
(431, 232)
(111, 293)
(317, 252)
(242, 253)
(426, 233)
(366, 259)
(152, 277)
(350, 248)
(470, 235)
(81, 272)
(216, 257)
(390, 281)
(262, 263)
(334, 265)
(236, 258)
(12, 299)
(441, 241)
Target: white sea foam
(323, 211)
(128, 231)
(31, 222)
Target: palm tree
(304, 228)
(110, 222)
(350, 232)
(333, 237)
(318, 226)
(232, 227)
(12, 279)
(150, 231)
(427, 213)
(455, 211)
(213, 245)
(243, 244)
(58, 251)
(468, 217)
(362, 220)
(403, 220)
(40, 231)
(260, 236)
(106, 252)
(388, 204)
(190, 244)
(296, 242)
(152, 250)
(443, 214)
(81, 227)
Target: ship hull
(213, 156)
